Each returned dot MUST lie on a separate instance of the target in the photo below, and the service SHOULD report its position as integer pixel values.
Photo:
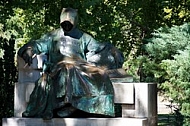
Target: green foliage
(176, 12)
(126, 24)
(8, 78)
(168, 63)
(8, 72)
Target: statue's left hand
(27, 56)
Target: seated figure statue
(74, 74)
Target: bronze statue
(74, 76)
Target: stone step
(75, 122)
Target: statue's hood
(69, 15)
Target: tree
(126, 24)
(168, 63)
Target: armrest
(30, 73)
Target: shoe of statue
(66, 111)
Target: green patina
(74, 72)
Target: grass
(169, 120)
(165, 120)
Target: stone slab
(123, 93)
(75, 122)
(22, 93)
(145, 95)
(30, 73)
(146, 101)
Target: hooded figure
(71, 79)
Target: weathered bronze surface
(74, 76)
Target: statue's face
(68, 19)
(67, 26)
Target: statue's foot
(65, 112)
(25, 114)
(48, 115)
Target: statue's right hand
(27, 56)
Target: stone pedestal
(75, 122)
(123, 94)
(138, 101)
(145, 103)
(27, 75)
(22, 93)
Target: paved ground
(162, 106)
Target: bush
(168, 63)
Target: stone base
(75, 122)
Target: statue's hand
(27, 56)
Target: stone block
(146, 101)
(128, 110)
(75, 122)
(30, 73)
(145, 104)
(138, 100)
(22, 93)
(124, 93)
